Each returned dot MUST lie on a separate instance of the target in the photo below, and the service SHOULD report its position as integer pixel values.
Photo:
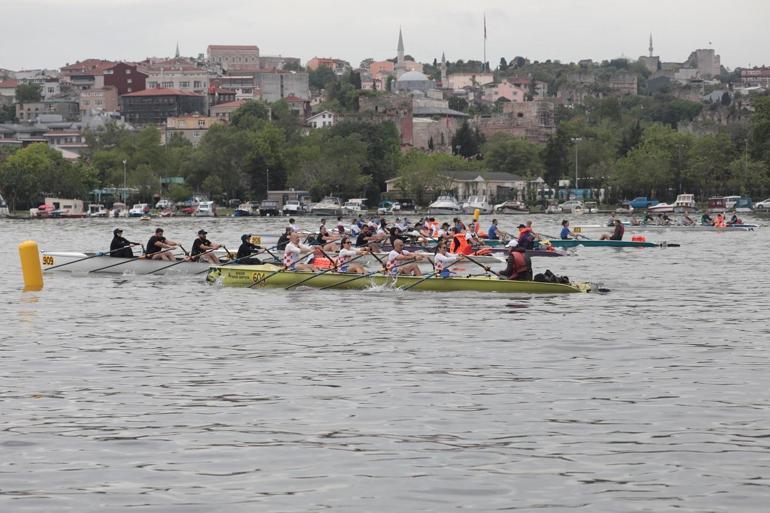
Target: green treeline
(629, 146)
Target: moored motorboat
(444, 205)
(259, 276)
(328, 207)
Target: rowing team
(399, 261)
(158, 247)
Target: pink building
(504, 89)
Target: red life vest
(519, 265)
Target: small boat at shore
(260, 276)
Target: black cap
(117, 231)
(202, 232)
(521, 226)
(245, 237)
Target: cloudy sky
(50, 33)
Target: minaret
(444, 81)
(400, 60)
(651, 44)
(176, 56)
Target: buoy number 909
(47, 260)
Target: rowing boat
(662, 227)
(91, 262)
(573, 243)
(268, 275)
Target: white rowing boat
(662, 227)
(76, 262)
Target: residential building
(323, 119)
(299, 106)
(496, 186)
(278, 62)
(85, 74)
(155, 106)
(29, 112)
(125, 78)
(222, 111)
(276, 85)
(533, 87)
(192, 128)
(103, 99)
(505, 90)
(756, 77)
(338, 66)
(233, 57)
(8, 87)
(463, 80)
(243, 85)
(176, 74)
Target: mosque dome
(413, 76)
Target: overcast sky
(50, 33)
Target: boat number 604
(257, 277)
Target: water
(125, 393)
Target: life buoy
(483, 251)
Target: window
(197, 84)
(128, 81)
(201, 123)
(128, 72)
(168, 85)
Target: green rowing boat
(572, 243)
(272, 276)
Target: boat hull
(663, 227)
(261, 276)
(573, 243)
(137, 266)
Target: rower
(566, 233)
(519, 265)
(687, 220)
(347, 252)
(246, 249)
(617, 233)
(202, 249)
(293, 252)
(398, 256)
(159, 248)
(293, 225)
(526, 237)
(492, 231)
(284, 238)
(441, 260)
(120, 247)
(719, 222)
(706, 220)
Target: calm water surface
(164, 394)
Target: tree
(251, 115)
(28, 93)
(7, 113)
(421, 175)
(320, 77)
(458, 104)
(518, 156)
(760, 129)
(467, 141)
(503, 64)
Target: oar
(239, 259)
(433, 274)
(315, 275)
(126, 261)
(486, 268)
(98, 254)
(363, 276)
(177, 263)
(330, 259)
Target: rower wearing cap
(526, 237)
(202, 248)
(246, 250)
(519, 265)
(159, 247)
(120, 247)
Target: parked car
(762, 205)
(642, 202)
(572, 205)
(164, 203)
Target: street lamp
(267, 182)
(125, 191)
(576, 140)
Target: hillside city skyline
(564, 32)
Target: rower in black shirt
(202, 247)
(246, 249)
(120, 247)
(159, 248)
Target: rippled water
(125, 393)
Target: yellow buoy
(30, 265)
(476, 214)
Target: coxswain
(319, 261)
(397, 259)
(120, 247)
(293, 252)
(566, 233)
(202, 249)
(617, 233)
(519, 266)
(246, 251)
(346, 254)
(159, 248)
(462, 243)
(442, 260)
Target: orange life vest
(321, 262)
(519, 264)
(460, 245)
